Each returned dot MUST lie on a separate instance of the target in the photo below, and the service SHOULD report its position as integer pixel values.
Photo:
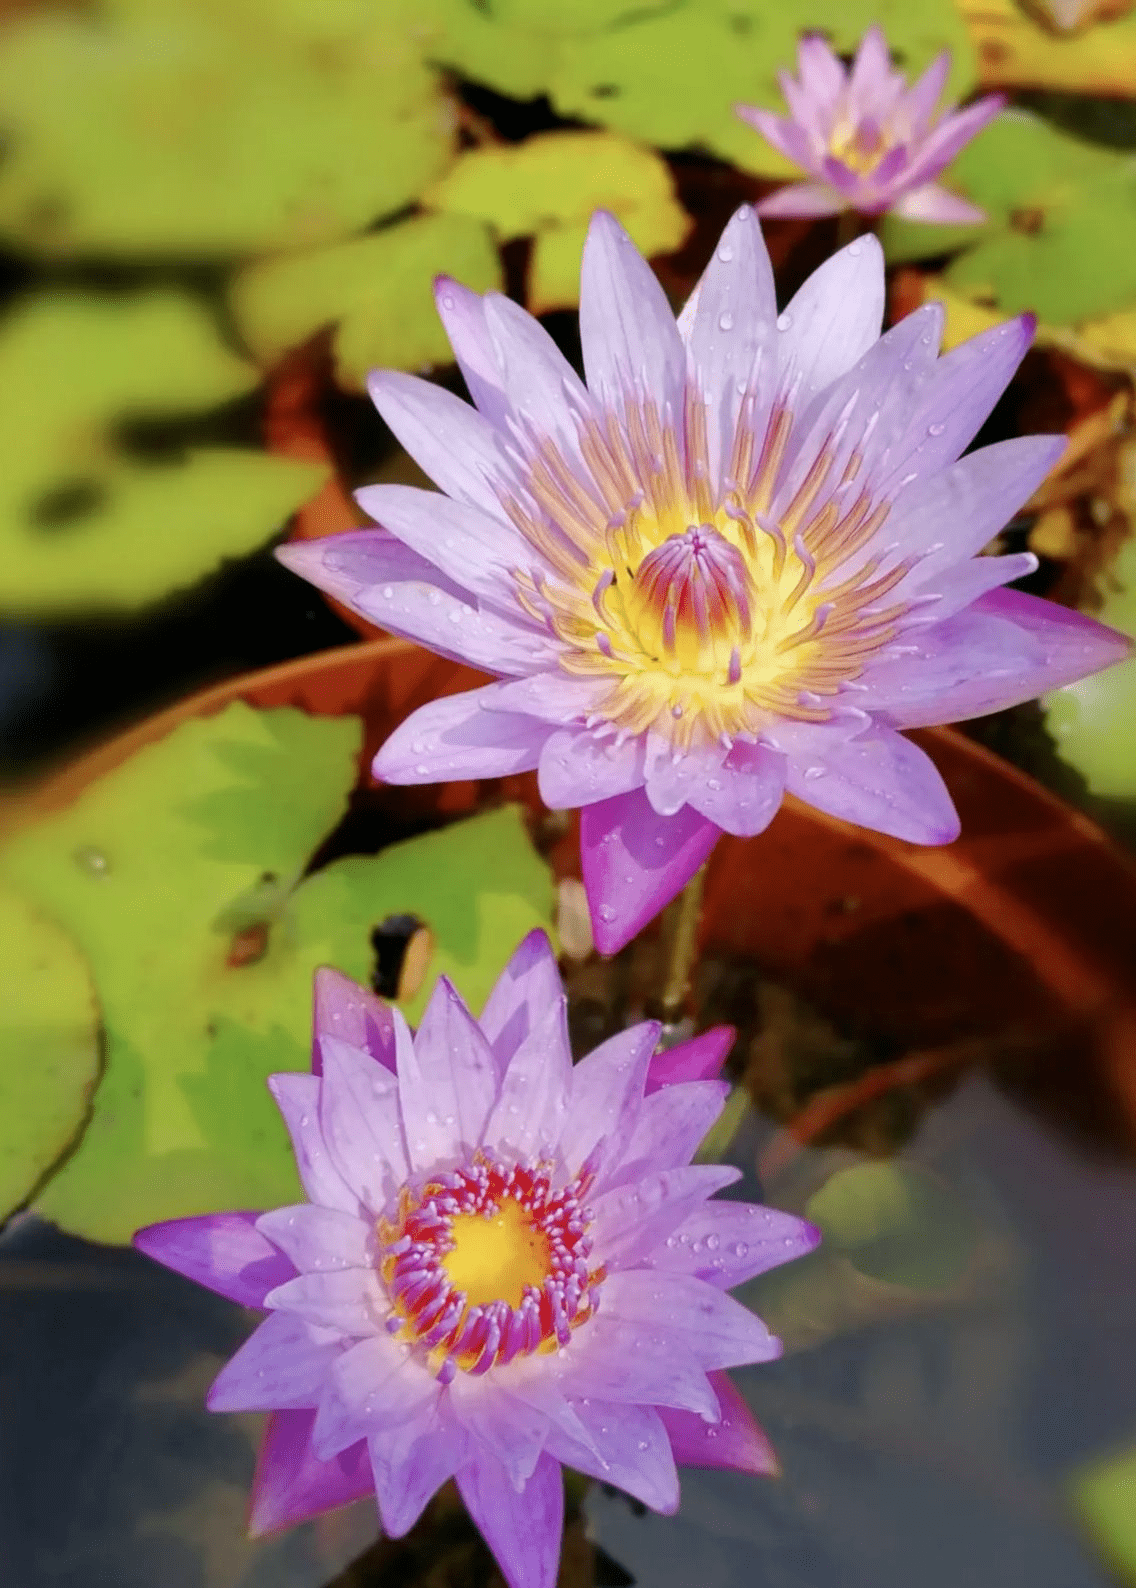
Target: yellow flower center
(860, 145)
(495, 1255)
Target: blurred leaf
(205, 130)
(144, 870)
(550, 185)
(1104, 1497)
(84, 525)
(376, 290)
(962, 318)
(896, 1223)
(1094, 721)
(49, 1046)
(1015, 51)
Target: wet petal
(291, 1485)
(410, 1464)
(529, 1114)
(632, 1221)
(360, 1123)
(699, 1059)
(298, 1099)
(474, 549)
(223, 1251)
(627, 329)
(521, 996)
(462, 313)
(349, 1300)
(284, 1363)
(455, 737)
(632, 1364)
(457, 1074)
(455, 445)
(672, 1123)
(523, 1529)
(606, 1097)
(725, 1243)
(736, 1440)
(743, 794)
(380, 1384)
(883, 781)
(697, 1320)
(832, 321)
(628, 1447)
(510, 1429)
(352, 1014)
(579, 767)
(314, 1238)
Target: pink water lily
(505, 1263)
(869, 142)
(733, 564)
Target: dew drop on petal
(935, 430)
(388, 592)
(784, 322)
(725, 253)
(740, 1248)
(813, 772)
(725, 321)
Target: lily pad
(210, 130)
(1104, 1497)
(1094, 721)
(375, 290)
(159, 872)
(897, 1223)
(1016, 51)
(83, 523)
(49, 1046)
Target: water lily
(505, 1263)
(733, 564)
(869, 142)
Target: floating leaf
(156, 871)
(49, 1046)
(83, 524)
(1094, 721)
(209, 130)
(549, 186)
(1104, 1497)
(376, 290)
(897, 1223)
(1015, 51)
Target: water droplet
(813, 772)
(644, 1444)
(739, 1248)
(421, 771)
(447, 300)
(455, 614)
(856, 248)
(713, 783)
(784, 322)
(725, 253)
(712, 1243)
(676, 711)
(935, 430)
(92, 860)
(725, 321)
(388, 592)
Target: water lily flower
(505, 1263)
(732, 565)
(869, 142)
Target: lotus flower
(871, 143)
(505, 1263)
(733, 565)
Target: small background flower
(506, 1263)
(870, 142)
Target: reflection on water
(925, 1436)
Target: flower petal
(349, 1300)
(635, 861)
(410, 1463)
(455, 737)
(958, 587)
(696, 1320)
(541, 387)
(627, 330)
(359, 1119)
(510, 1429)
(632, 1221)
(832, 321)
(313, 1237)
(672, 1124)
(804, 199)
(605, 1099)
(462, 314)
(918, 104)
(788, 137)
(352, 1014)
(523, 1529)
(629, 1447)
(883, 781)
(725, 1243)
(700, 1059)
(298, 1099)
(455, 445)
(736, 1441)
(552, 696)
(291, 1485)
(951, 134)
(284, 1363)
(521, 996)
(456, 1075)
(937, 206)
(742, 794)
(821, 70)
(474, 549)
(871, 74)
(377, 1384)
(529, 1114)
(579, 767)
(619, 1360)
(223, 1251)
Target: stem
(683, 947)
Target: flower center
(486, 1263)
(689, 598)
(859, 145)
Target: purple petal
(698, 1321)
(871, 74)
(813, 115)
(349, 1300)
(882, 781)
(512, 1430)
(529, 1113)
(379, 1383)
(353, 1015)
(453, 443)
(744, 793)
(918, 104)
(462, 313)
(951, 134)
(632, 1221)
(672, 1125)
(700, 1059)
(617, 1360)
(522, 1529)
(521, 996)
(956, 588)
(540, 385)
(736, 1441)
(788, 137)
(578, 767)
(313, 1237)
(634, 862)
(821, 70)
(447, 1081)
(411, 1462)
(455, 737)
(284, 1364)
(804, 199)
(298, 1099)
(629, 1447)
(359, 1119)
(936, 206)
(605, 1099)
(726, 1243)
(473, 549)
(223, 1251)
(291, 1485)
(552, 695)
(627, 330)
(833, 320)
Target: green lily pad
(83, 523)
(376, 290)
(49, 1046)
(210, 130)
(157, 871)
(896, 1223)
(1061, 235)
(1094, 720)
(1104, 1498)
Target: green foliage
(897, 1223)
(1094, 720)
(157, 868)
(1061, 234)
(1104, 1497)
(49, 1046)
(211, 130)
(376, 291)
(83, 523)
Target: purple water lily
(734, 564)
(506, 1263)
(871, 143)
